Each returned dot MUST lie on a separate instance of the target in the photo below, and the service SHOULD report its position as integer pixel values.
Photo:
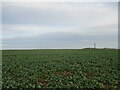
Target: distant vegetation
(60, 68)
(99, 48)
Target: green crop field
(60, 68)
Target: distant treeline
(99, 48)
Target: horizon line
(51, 48)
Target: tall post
(94, 45)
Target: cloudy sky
(59, 25)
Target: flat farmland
(60, 68)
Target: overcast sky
(60, 25)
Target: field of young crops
(60, 68)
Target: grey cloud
(53, 16)
(59, 40)
(95, 21)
